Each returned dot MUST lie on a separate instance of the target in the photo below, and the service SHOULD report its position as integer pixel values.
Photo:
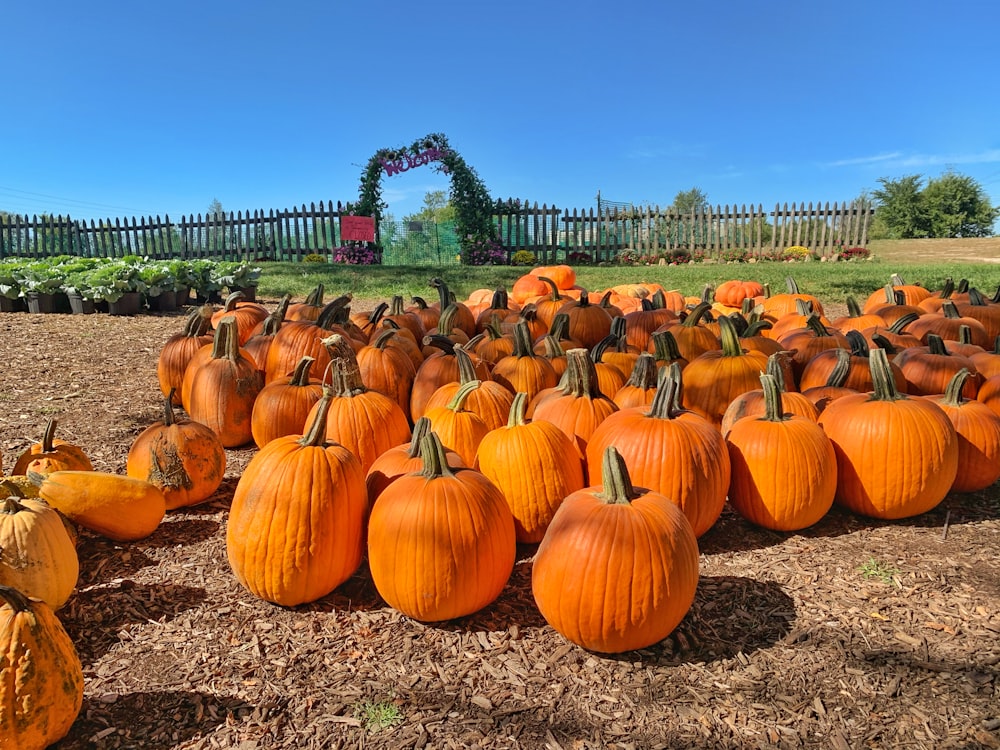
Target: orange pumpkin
(618, 567)
(51, 455)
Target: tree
(957, 206)
(687, 201)
(437, 208)
(951, 205)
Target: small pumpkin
(52, 455)
(37, 554)
(185, 459)
(40, 672)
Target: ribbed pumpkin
(177, 351)
(246, 314)
(185, 459)
(440, 541)
(40, 674)
(220, 392)
(37, 555)
(295, 529)
(523, 370)
(818, 369)
(618, 567)
(365, 422)
(458, 428)
(52, 455)
(121, 508)
(669, 450)
(928, 369)
(588, 323)
(437, 370)
(402, 460)
(897, 456)
(784, 470)
(491, 400)
(691, 336)
(754, 403)
(310, 307)
(387, 369)
(577, 405)
(282, 406)
(978, 430)
(464, 318)
(833, 388)
(534, 465)
(713, 379)
(640, 388)
(304, 338)
(262, 335)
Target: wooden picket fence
(549, 234)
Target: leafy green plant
(314, 258)
(523, 258)
(884, 572)
(234, 274)
(377, 715)
(9, 285)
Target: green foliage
(523, 258)
(687, 201)
(469, 197)
(436, 208)
(377, 715)
(884, 572)
(314, 258)
(952, 205)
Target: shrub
(735, 255)
(796, 252)
(578, 258)
(484, 252)
(523, 258)
(854, 253)
(357, 254)
(314, 258)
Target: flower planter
(11, 305)
(128, 304)
(249, 292)
(80, 306)
(39, 302)
(182, 297)
(165, 301)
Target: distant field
(985, 249)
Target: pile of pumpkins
(607, 428)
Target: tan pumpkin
(37, 554)
(40, 674)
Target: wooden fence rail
(550, 234)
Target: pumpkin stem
(49, 436)
(420, 429)
(694, 317)
(884, 387)
(774, 407)
(948, 289)
(466, 367)
(300, 376)
(953, 391)
(199, 322)
(523, 346)
(444, 294)
(791, 285)
(315, 436)
(841, 369)
(315, 297)
(775, 368)
(669, 393)
(949, 310)
(644, 372)
(515, 417)
(168, 409)
(438, 341)
(853, 308)
(10, 503)
(434, 457)
(903, 321)
(617, 484)
(580, 378)
(345, 373)
(665, 347)
(458, 400)
(730, 338)
(858, 343)
(226, 344)
(17, 601)
(231, 300)
(935, 345)
(553, 287)
(559, 328)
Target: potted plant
(238, 276)
(119, 285)
(76, 285)
(159, 281)
(185, 279)
(204, 280)
(41, 282)
(10, 289)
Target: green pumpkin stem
(935, 345)
(435, 459)
(665, 347)
(420, 429)
(730, 338)
(669, 393)
(694, 317)
(774, 406)
(644, 372)
(457, 402)
(515, 417)
(580, 378)
(300, 375)
(953, 391)
(315, 436)
(841, 369)
(230, 304)
(616, 483)
(853, 308)
(884, 387)
(523, 346)
(315, 297)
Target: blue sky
(133, 108)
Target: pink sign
(408, 162)
(357, 228)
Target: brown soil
(788, 644)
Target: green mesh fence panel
(419, 243)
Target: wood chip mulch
(792, 641)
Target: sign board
(357, 228)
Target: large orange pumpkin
(440, 541)
(906, 460)
(618, 567)
(295, 526)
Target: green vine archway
(473, 206)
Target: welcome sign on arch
(469, 196)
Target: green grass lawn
(831, 282)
